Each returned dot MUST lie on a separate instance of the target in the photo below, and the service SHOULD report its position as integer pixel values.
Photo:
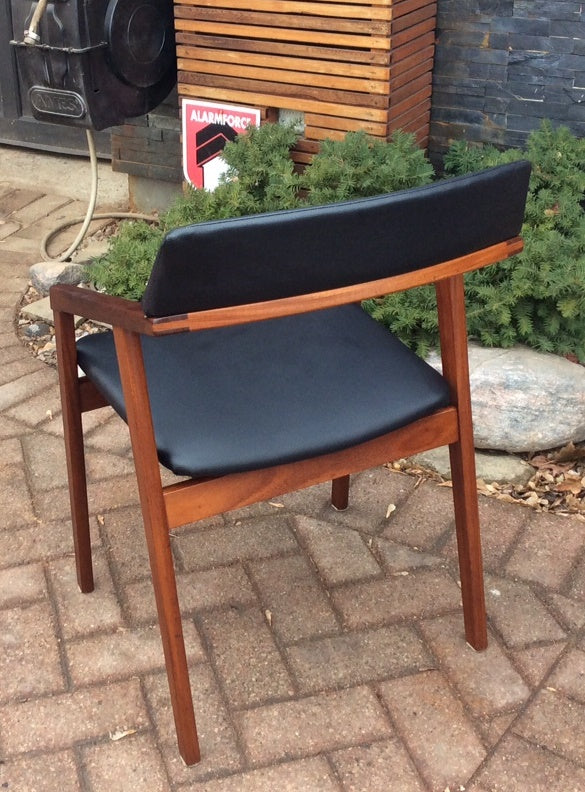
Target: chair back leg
(453, 328)
(340, 493)
(74, 450)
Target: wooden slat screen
(346, 64)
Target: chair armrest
(100, 307)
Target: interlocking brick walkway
(326, 648)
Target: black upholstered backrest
(281, 254)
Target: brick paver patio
(326, 648)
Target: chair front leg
(74, 451)
(134, 384)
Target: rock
(523, 400)
(499, 468)
(37, 330)
(46, 273)
(41, 310)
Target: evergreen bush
(536, 298)
(261, 177)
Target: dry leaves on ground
(557, 485)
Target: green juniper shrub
(536, 298)
(359, 165)
(261, 177)
(124, 270)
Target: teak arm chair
(248, 368)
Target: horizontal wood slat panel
(340, 10)
(282, 34)
(296, 91)
(261, 19)
(243, 45)
(271, 61)
(345, 64)
(227, 94)
(281, 76)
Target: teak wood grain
(168, 508)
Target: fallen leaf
(121, 733)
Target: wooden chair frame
(167, 508)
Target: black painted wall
(501, 66)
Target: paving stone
(301, 776)
(131, 763)
(547, 550)
(26, 386)
(217, 740)
(39, 208)
(535, 662)
(15, 501)
(101, 466)
(17, 368)
(290, 591)
(378, 767)
(340, 554)
(102, 497)
(370, 495)
(11, 452)
(124, 535)
(577, 582)
(555, 722)
(493, 729)
(223, 545)
(12, 352)
(110, 435)
(423, 518)
(53, 424)
(198, 591)
(28, 643)
(419, 594)
(82, 614)
(44, 408)
(487, 680)
(22, 584)
(500, 525)
(357, 657)
(431, 721)
(17, 199)
(8, 227)
(36, 542)
(310, 726)
(127, 652)
(398, 557)
(60, 721)
(246, 658)
(53, 772)
(11, 429)
(569, 675)
(569, 612)
(517, 765)
(518, 614)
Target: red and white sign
(207, 127)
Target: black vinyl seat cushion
(265, 393)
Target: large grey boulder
(524, 400)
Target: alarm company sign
(207, 127)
